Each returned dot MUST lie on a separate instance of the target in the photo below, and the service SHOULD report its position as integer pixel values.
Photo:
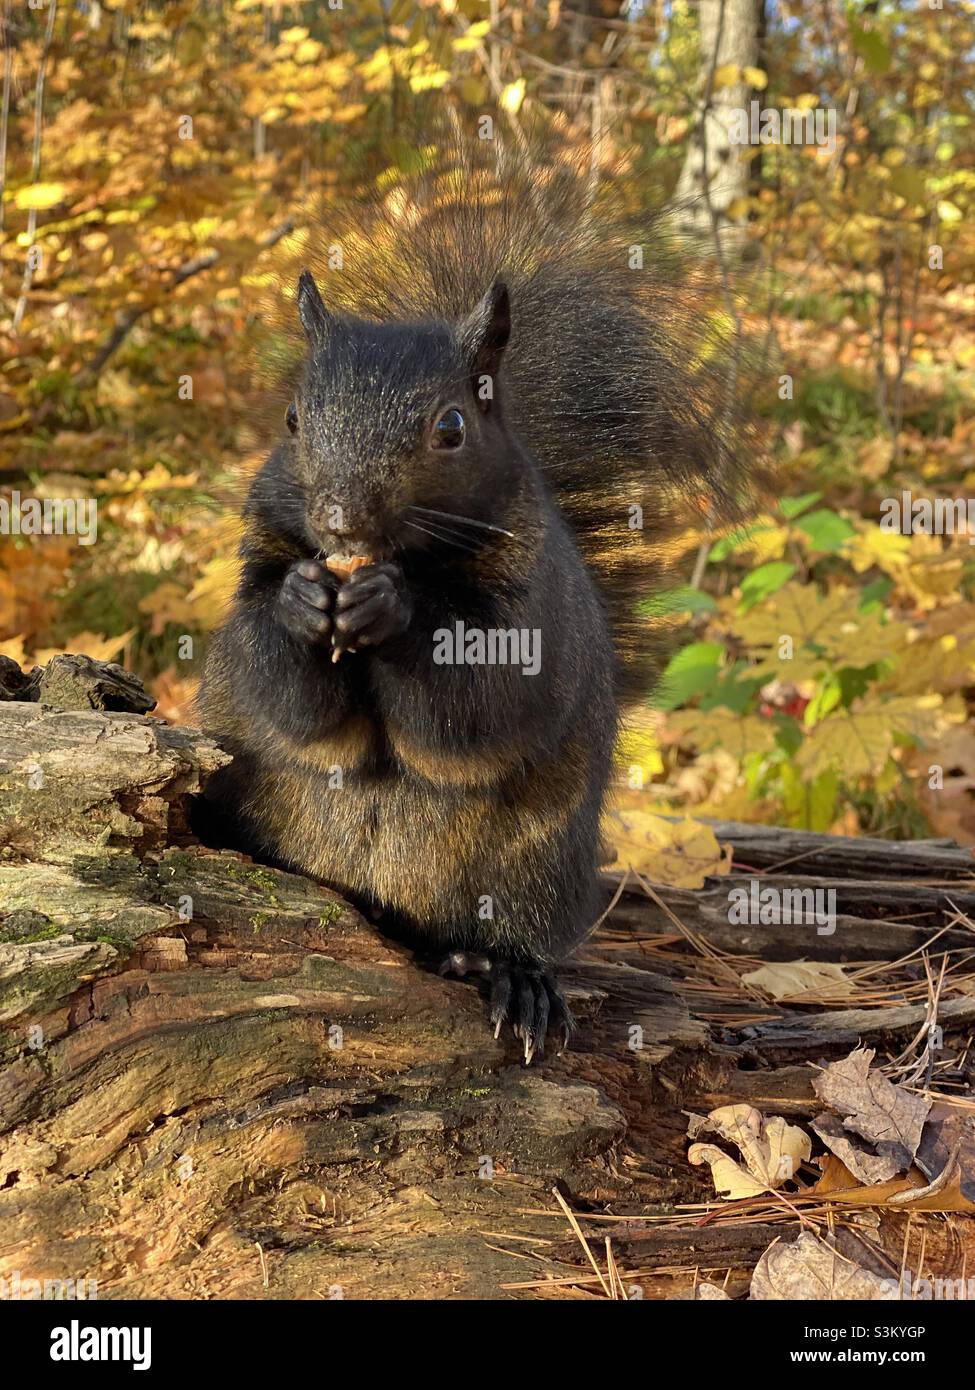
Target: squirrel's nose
(351, 524)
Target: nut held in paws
(345, 566)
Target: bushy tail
(620, 374)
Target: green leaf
(826, 698)
(854, 683)
(788, 734)
(764, 581)
(790, 507)
(809, 805)
(872, 47)
(825, 529)
(731, 692)
(689, 672)
(875, 595)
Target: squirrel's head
(396, 422)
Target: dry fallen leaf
(810, 1268)
(731, 1182)
(703, 1293)
(910, 1193)
(949, 1138)
(865, 1166)
(887, 1116)
(678, 854)
(771, 1150)
(790, 979)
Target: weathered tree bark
(218, 1080)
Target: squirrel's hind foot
(522, 995)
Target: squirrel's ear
(311, 309)
(484, 335)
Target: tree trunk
(714, 174)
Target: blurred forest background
(137, 249)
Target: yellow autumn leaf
(307, 51)
(872, 545)
(942, 664)
(91, 644)
(637, 748)
(726, 76)
(512, 96)
(797, 611)
(429, 81)
(804, 631)
(167, 604)
(731, 1182)
(472, 36)
(678, 854)
(352, 112)
(937, 577)
(766, 544)
(793, 665)
(859, 739)
(13, 647)
(39, 196)
(211, 594)
(737, 734)
(862, 639)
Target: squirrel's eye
(448, 432)
(291, 418)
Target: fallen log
(843, 856)
(849, 937)
(218, 1080)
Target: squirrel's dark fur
(464, 800)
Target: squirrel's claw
(523, 996)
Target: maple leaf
(821, 630)
(737, 734)
(859, 739)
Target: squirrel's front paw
(371, 607)
(306, 600)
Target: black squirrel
(499, 405)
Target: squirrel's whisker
(464, 520)
(441, 536)
(446, 532)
